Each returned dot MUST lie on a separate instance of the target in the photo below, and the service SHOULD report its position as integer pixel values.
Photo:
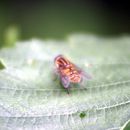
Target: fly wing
(65, 81)
(84, 74)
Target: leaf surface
(31, 100)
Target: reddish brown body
(69, 73)
(66, 68)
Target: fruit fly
(69, 72)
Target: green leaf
(30, 99)
(11, 36)
(2, 65)
(126, 126)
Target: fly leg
(68, 91)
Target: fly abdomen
(75, 77)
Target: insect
(69, 72)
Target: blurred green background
(21, 20)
